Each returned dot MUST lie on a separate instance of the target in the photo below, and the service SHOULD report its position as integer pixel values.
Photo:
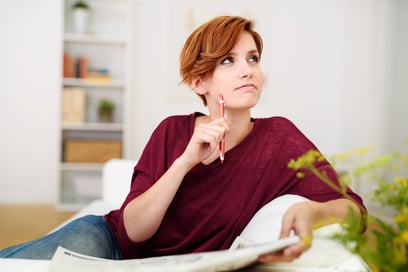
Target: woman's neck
(240, 127)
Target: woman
(183, 198)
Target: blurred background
(336, 68)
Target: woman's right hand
(204, 141)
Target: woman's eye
(227, 60)
(254, 58)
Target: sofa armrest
(116, 179)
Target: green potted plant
(80, 4)
(106, 110)
(80, 16)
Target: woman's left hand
(300, 219)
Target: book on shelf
(79, 67)
(69, 66)
(75, 67)
(73, 105)
(83, 67)
(98, 75)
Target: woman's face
(237, 77)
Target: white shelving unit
(107, 45)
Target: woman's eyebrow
(253, 51)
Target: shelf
(80, 82)
(70, 166)
(93, 126)
(107, 50)
(89, 38)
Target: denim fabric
(88, 235)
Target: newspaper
(223, 260)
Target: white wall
(30, 67)
(331, 67)
(397, 118)
(327, 65)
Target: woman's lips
(246, 87)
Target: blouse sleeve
(148, 169)
(296, 144)
(164, 145)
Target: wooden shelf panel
(93, 126)
(95, 39)
(81, 82)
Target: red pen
(222, 142)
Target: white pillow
(265, 226)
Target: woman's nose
(245, 70)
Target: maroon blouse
(215, 202)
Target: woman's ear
(198, 86)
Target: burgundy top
(215, 202)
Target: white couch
(325, 255)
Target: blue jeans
(89, 235)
